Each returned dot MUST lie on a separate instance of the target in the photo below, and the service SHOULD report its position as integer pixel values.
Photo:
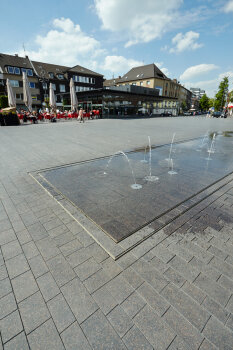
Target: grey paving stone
(17, 343)
(111, 267)
(63, 238)
(132, 277)
(174, 277)
(150, 274)
(45, 337)
(230, 304)
(38, 266)
(204, 268)
(11, 249)
(194, 292)
(3, 272)
(158, 264)
(74, 227)
(217, 252)
(100, 334)
(57, 231)
(7, 236)
(126, 260)
(7, 305)
(87, 268)
(84, 238)
(185, 269)
(179, 344)
(61, 270)
(78, 257)
(18, 225)
(48, 286)
(215, 309)
(29, 218)
(206, 345)
(70, 247)
(153, 298)
(96, 281)
(230, 322)
(191, 310)
(133, 304)
(37, 231)
(161, 252)
(24, 236)
(47, 248)
(183, 328)
(120, 321)
(61, 313)
(5, 287)
(33, 311)
(24, 286)
(10, 326)
(30, 250)
(98, 253)
(52, 224)
(104, 299)
(223, 267)
(17, 265)
(218, 334)
(180, 251)
(79, 300)
(135, 340)
(154, 329)
(73, 338)
(5, 224)
(119, 288)
(214, 290)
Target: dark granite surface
(120, 210)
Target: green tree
(211, 102)
(183, 106)
(220, 97)
(204, 103)
(230, 96)
(3, 101)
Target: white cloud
(119, 65)
(228, 7)
(66, 44)
(197, 70)
(187, 41)
(211, 86)
(140, 21)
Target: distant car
(166, 114)
(216, 114)
(187, 113)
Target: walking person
(80, 116)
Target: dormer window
(10, 70)
(51, 75)
(60, 76)
(17, 70)
(30, 72)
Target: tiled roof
(143, 72)
(82, 70)
(15, 61)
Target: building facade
(150, 76)
(40, 75)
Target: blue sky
(188, 40)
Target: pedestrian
(80, 116)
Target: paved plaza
(59, 289)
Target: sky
(190, 40)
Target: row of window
(80, 79)
(15, 83)
(17, 70)
(20, 97)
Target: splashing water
(150, 177)
(135, 186)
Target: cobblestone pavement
(60, 290)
